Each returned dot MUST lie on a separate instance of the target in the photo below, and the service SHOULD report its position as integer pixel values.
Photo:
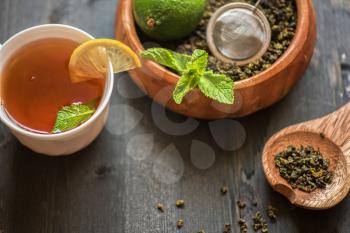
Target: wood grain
(103, 190)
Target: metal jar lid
(238, 33)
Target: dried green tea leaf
(272, 212)
(243, 225)
(282, 16)
(304, 168)
(180, 203)
(227, 228)
(180, 223)
(241, 204)
(260, 223)
(224, 190)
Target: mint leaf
(199, 62)
(186, 84)
(189, 80)
(69, 117)
(165, 57)
(194, 73)
(93, 103)
(217, 86)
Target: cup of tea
(35, 84)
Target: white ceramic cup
(67, 142)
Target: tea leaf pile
(282, 16)
(304, 168)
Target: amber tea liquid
(36, 84)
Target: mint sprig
(217, 86)
(175, 61)
(194, 73)
(70, 117)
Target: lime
(167, 20)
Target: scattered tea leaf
(243, 225)
(180, 203)
(227, 228)
(224, 190)
(272, 212)
(260, 223)
(160, 207)
(241, 204)
(180, 223)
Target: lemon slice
(91, 59)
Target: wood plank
(104, 189)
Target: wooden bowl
(251, 95)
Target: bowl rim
(294, 49)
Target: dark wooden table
(146, 155)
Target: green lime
(167, 20)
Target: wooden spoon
(331, 134)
